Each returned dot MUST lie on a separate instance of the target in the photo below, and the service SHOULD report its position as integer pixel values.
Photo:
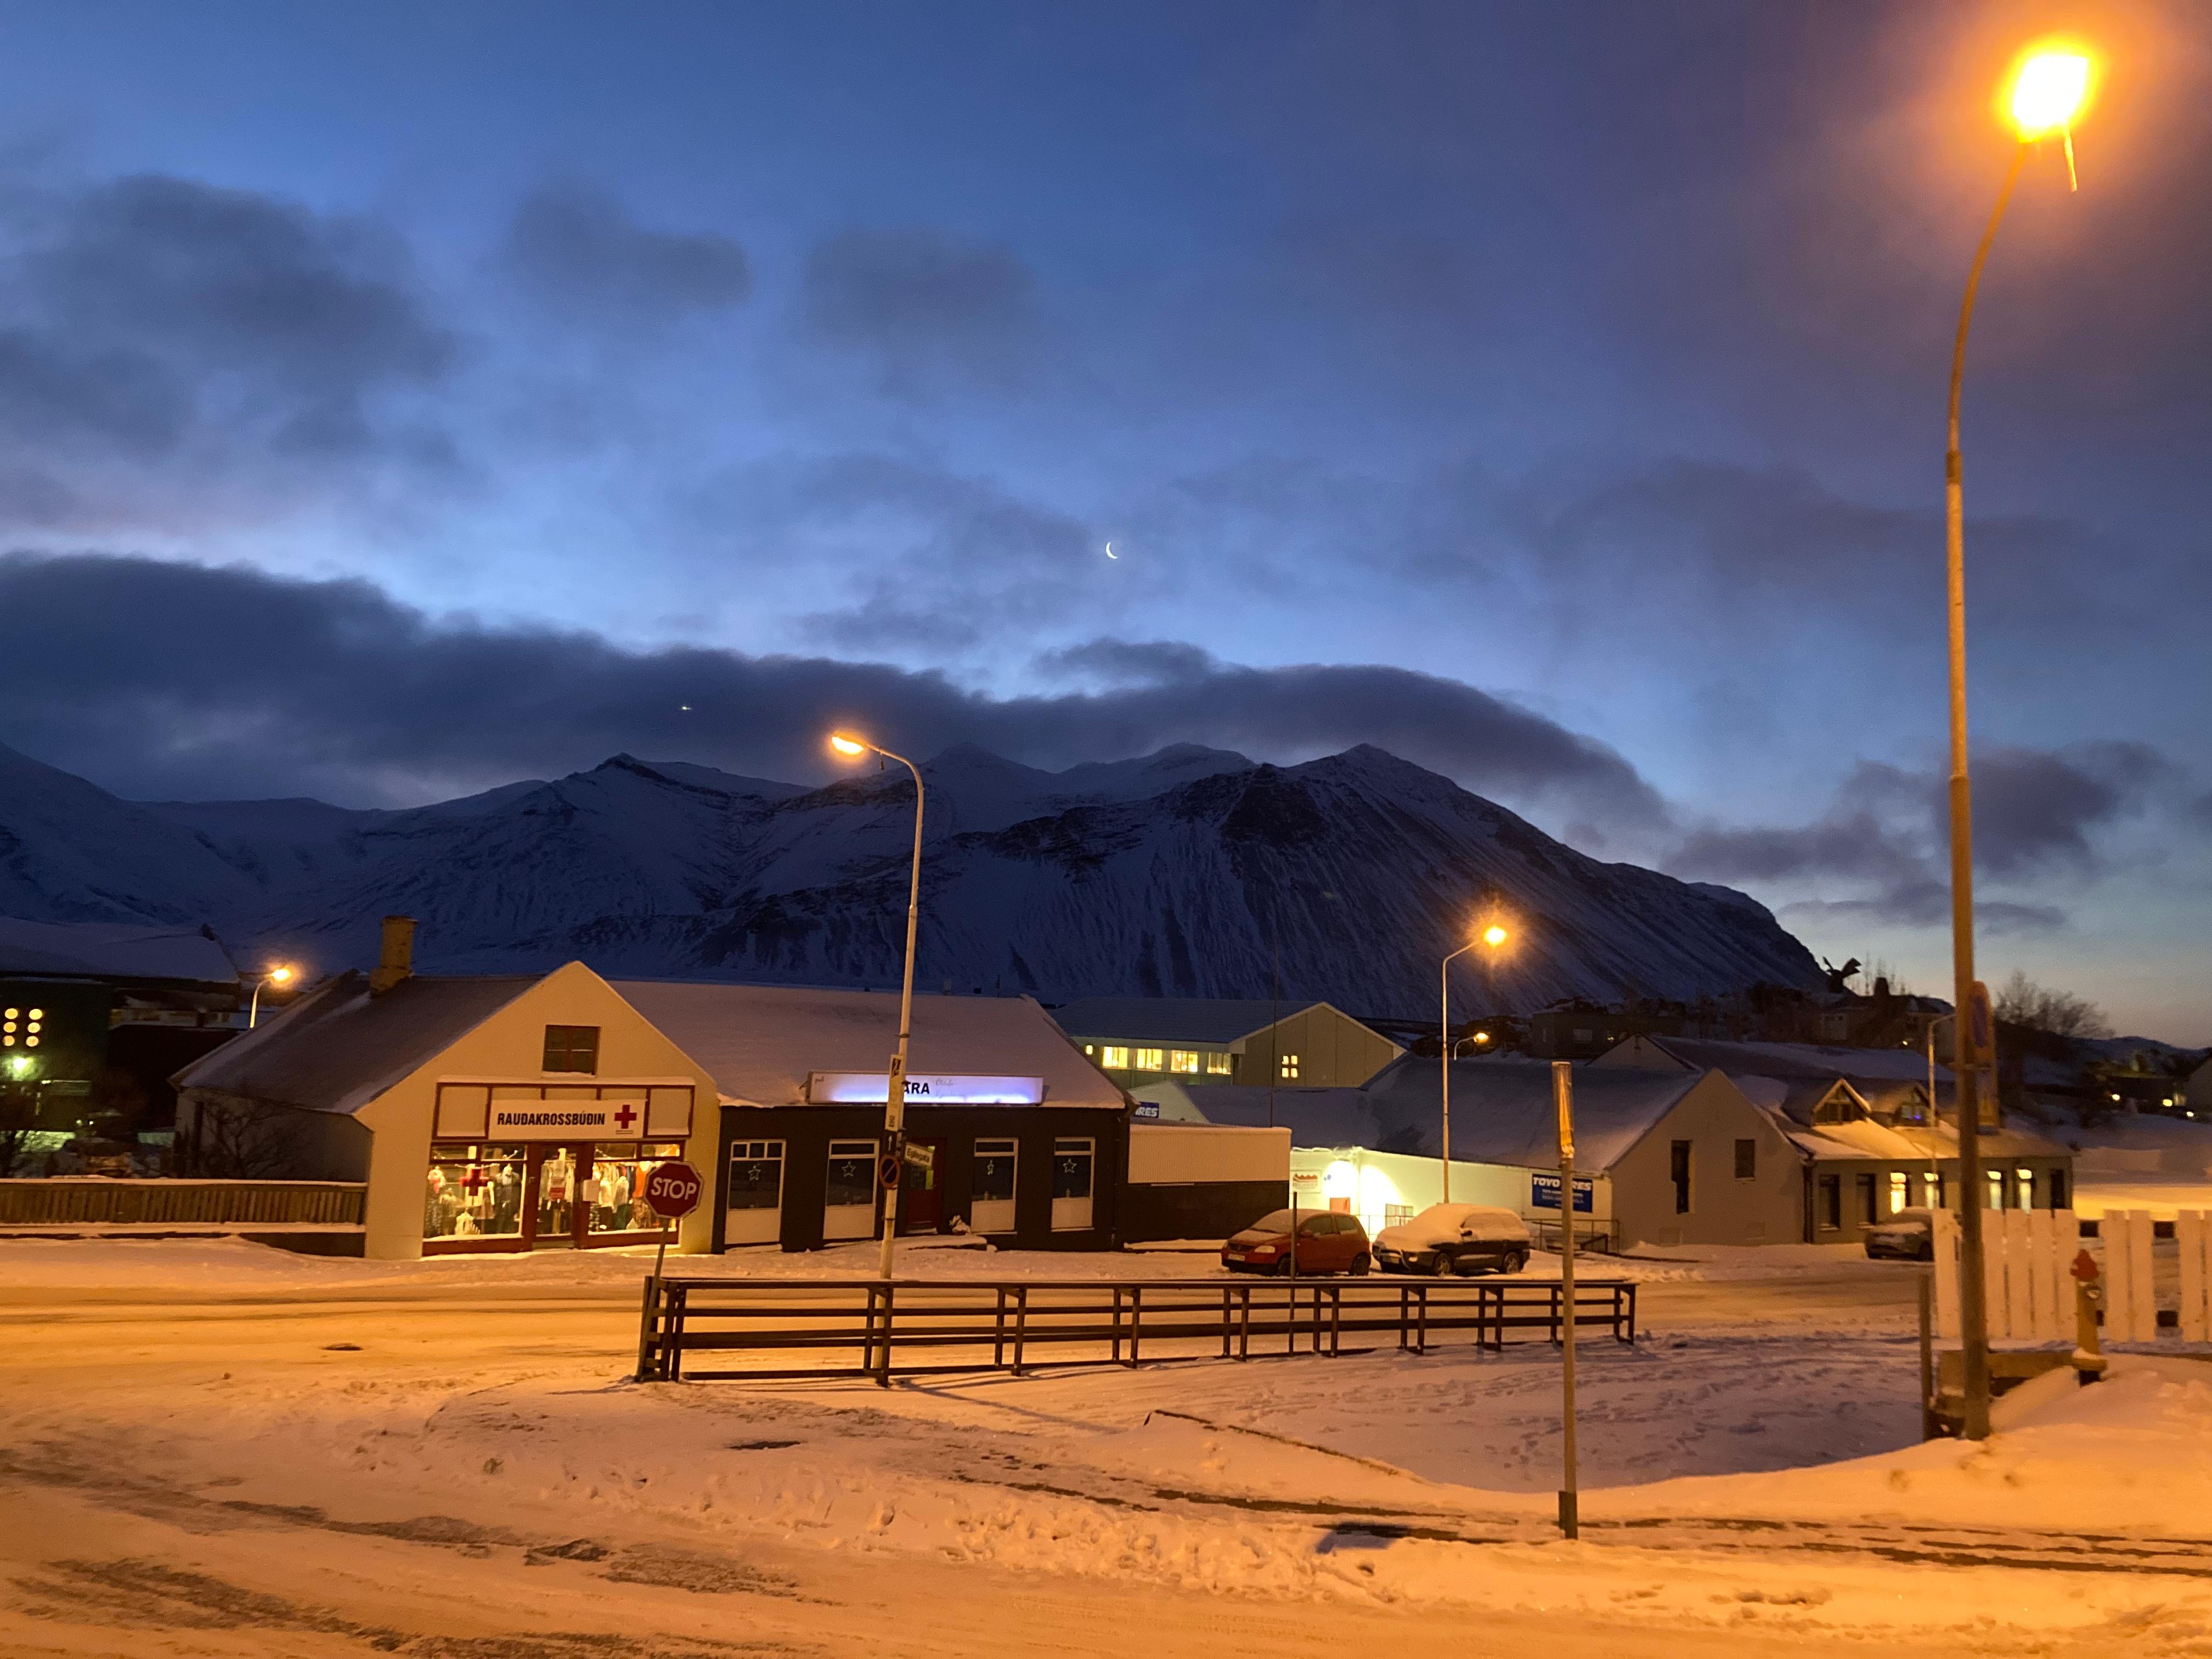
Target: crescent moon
(1111, 553)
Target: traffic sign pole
(1562, 1094)
(671, 1191)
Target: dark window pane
(1747, 1160)
(993, 1176)
(756, 1183)
(1071, 1175)
(572, 1048)
(852, 1181)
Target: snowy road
(335, 1461)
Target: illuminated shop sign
(923, 1089)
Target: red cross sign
(625, 1117)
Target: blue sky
(1581, 365)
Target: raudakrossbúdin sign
(568, 1120)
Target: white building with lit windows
(1206, 1042)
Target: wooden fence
(98, 1200)
(860, 1326)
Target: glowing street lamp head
(845, 745)
(282, 974)
(2050, 91)
(1494, 936)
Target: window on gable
(1290, 1068)
(572, 1048)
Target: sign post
(671, 1191)
(1562, 1092)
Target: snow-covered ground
(218, 1450)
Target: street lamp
(2050, 89)
(894, 1086)
(1492, 936)
(280, 975)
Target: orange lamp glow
(845, 745)
(2050, 91)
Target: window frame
(1747, 1159)
(567, 1051)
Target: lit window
(1217, 1065)
(1931, 1190)
(1115, 1058)
(1897, 1192)
(1151, 1060)
(1289, 1067)
(1997, 1189)
(1089, 1047)
(1183, 1060)
(2024, 1189)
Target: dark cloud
(580, 250)
(2037, 813)
(157, 332)
(333, 688)
(926, 304)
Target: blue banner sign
(1544, 1192)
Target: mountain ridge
(1191, 872)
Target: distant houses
(1210, 1042)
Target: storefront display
(535, 1197)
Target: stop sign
(673, 1190)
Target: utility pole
(1562, 1094)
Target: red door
(921, 1192)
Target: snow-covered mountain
(1193, 872)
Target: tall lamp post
(280, 975)
(2049, 91)
(1493, 936)
(895, 1085)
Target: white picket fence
(2027, 1260)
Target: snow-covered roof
(759, 1042)
(1315, 1117)
(339, 1047)
(1502, 1112)
(1176, 1020)
(115, 952)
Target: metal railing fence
(694, 1328)
(126, 1201)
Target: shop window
(753, 1210)
(558, 1180)
(1151, 1060)
(1289, 1068)
(1184, 1061)
(613, 1194)
(848, 1201)
(991, 1187)
(1831, 1203)
(1747, 1160)
(1217, 1065)
(1072, 1169)
(572, 1048)
(475, 1192)
(1898, 1199)
(1113, 1057)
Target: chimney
(397, 960)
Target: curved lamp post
(894, 1086)
(280, 975)
(2049, 91)
(1493, 936)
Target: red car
(1329, 1243)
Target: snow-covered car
(1329, 1242)
(1455, 1238)
(1907, 1235)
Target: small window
(1151, 1060)
(1217, 1065)
(2059, 1189)
(1868, 1214)
(2024, 1188)
(1184, 1061)
(1831, 1203)
(1678, 1170)
(1747, 1160)
(1996, 1188)
(1290, 1068)
(572, 1048)
(1898, 1199)
(1113, 1057)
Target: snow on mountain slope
(72, 851)
(1188, 872)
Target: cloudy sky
(402, 399)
